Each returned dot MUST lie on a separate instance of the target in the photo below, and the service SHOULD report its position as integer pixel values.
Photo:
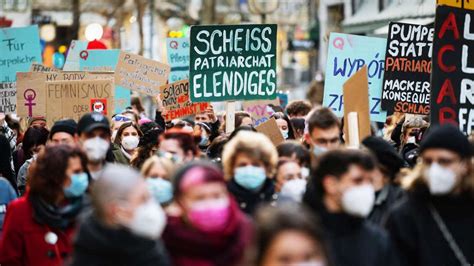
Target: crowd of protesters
(137, 191)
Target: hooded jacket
(97, 244)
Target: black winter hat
(385, 153)
(91, 121)
(446, 137)
(69, 126)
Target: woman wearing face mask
(284, 124)
(288, 235)
(433, 225)
(39, 226)
(126, 142)
(208, 228)
(203, 130)
(158, 172)
(249, 161)
(125, 225)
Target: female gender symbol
(29, 96)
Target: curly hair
(47, 174)
(149, 140)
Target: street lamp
(263, 7)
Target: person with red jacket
(39, 226)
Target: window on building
(356, 4)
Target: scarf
(53, 216)
(188, 245)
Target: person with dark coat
(433, 225)
(39, 226)
(388, 165)
(205, 227)
(249, 161)
(125, 224)
(341, 194)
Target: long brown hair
(47, 174)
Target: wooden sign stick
(229, 117)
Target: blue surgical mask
(318, 150)
(78, 186)
(250, 177)
(204, 140)
(285, 133)
(161, 189)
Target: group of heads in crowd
(182, 191)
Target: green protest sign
(233, 62)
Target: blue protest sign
(72, 59)
(19, 48)
(105, 60)
(178, 58)
(346, 55)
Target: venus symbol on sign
(29, 96)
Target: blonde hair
(167, 164)
(255, 145)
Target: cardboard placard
(406, 85)
(105, 61)
(347, 54)
(8, 97)
(72, 58)
(260, 110)
(31, 88)
(19, 48)
(233, 62)
(42, 68)
(178, 58)
(175, 100)
(452, 80)
(143, 75)
(356, 99)
(271, 130)
(73, 99)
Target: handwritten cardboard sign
(233, 62)
(175, 100)
(72, 58)
(19, 47)
(42, 68)
(271, 130)
(31, 88)
(8, 97)
(406, 85)
(143, 75)
(105, 61)
(356, 99)
(347, 54)
(73, 99)
(452, 80)
(260, 110)
(178, 58)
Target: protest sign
(73, 99)
(356, 99)
(72, 58)
(233, 62)
(178, 58)
(452, 80)
(42, 68)
(19, 47)
(346, 55)
(175, 100)
(105, 61)
(8, 97)
(143, 75)
(31, 88)
(271, 130)
(406, 85)
(260, 110)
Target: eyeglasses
(121, 118)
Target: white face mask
(149, 220)
(294, 189)
(358, 200)
(441, 180)
(310, 263)
(318, 150)
(96, 148)
(130, 142)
